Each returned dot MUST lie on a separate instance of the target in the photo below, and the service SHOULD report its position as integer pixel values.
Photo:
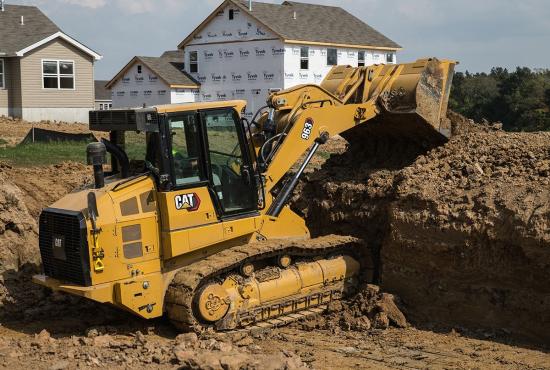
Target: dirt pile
(368, 309)
(13, 130)
(18, 229)
(23, 194)
(462, 231)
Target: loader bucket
(413, 100)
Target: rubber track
(179, 296)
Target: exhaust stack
(96, 155)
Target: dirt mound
(461, 231)
(23, 194)
(368, 309)
(18, 230)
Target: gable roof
(168, 67)
(18, 39)
(314, 24)
(101, 91)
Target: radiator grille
(64, 246)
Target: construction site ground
(462, 235)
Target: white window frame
(302, 58)
(58, 75)
(191, 63)
(3, 75)
(359, 60)
(387, 57)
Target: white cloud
(94, 4)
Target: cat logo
(189, 202)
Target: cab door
(188, 212)
(229, 163)
(231, 170)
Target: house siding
(34, 96)
(10, 96)
(130, 90)
(98, 102)
(241, 59)
(238, 58)
(318, 68)
(4, 91)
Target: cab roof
(146, 119)
(172, 108)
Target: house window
(332, 57)
(361, 59)
(389, 58)
(2, 73)
(304, 57)
(231, 14)
(194, 62)
(139, 68)
(58, 74)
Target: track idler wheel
(213, 302)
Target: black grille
(64, 246)
(110, 120)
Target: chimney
(22, 20)
(2, 5)
(294, 15)
(249, 5)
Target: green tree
(519, 99)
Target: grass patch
(44, 153)
(2, 141)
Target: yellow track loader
(200, 228)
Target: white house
(244, 49)
(153, 80)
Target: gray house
(103, 97)
(44, 73)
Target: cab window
(184, 130)
(230, 168)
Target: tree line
(519, 99)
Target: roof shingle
(101, 91)
(168, 67)
(316, 23)
(15, 36)
(170, 70)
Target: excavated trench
(461, 232)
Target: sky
(480, 34)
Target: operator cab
(189, 146)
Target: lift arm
(402, 99)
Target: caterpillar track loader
(199, 229)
